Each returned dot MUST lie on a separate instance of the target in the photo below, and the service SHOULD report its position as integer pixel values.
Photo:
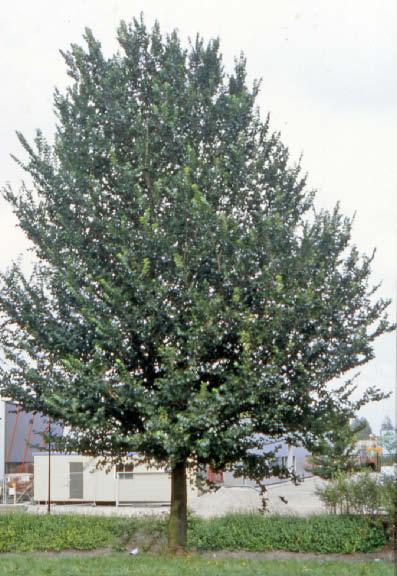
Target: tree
(388, 440)
(386, 425)
(388, 437)
(336, 453)
(187, 300)
(363, 428)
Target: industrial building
(294, 458)
(21, 434)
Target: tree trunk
(177, 528)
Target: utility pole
(49, 467)
(395, 458)
(394, 452)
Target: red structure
(215, 477)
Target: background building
(21, 434)
(292, 457)
(77, 479)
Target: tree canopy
(187, 300)
(388, 437)
(386, 424)
(362, 428)
(336, 453)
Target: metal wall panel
(24, 434)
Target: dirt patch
(147, 540)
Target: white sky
(329, 82)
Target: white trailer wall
(99, 485)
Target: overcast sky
(329, 83)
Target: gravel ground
(283, 498)
(100, 510)
(301, 499)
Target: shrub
(254, 532)
(21, 532)
(362, 494)
(28, 532)
(389, 504)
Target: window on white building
(125, 471)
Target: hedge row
(21, 532)
(321, 534)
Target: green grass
(123, 565)
(21, 532)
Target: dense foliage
(29, 532)
(322, 534)
(187, 300)
(336, 453)
(363, 428)
(20, 532)
(361, 494)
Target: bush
(389, 504)
(21, 532)
(254, 532)
(361, 494)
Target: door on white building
(76, 483)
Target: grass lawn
(144, 565)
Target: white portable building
(75, 479)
